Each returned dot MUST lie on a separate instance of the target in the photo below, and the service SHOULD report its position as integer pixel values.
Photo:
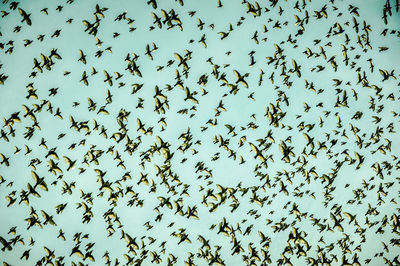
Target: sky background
(378, 103)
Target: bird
(84, 78)
(241, 78)
(82, 57)
(70, 163)
(25, 16)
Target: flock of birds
(213, 133)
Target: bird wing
(22, 12)
(45, 215)
(294, 64)
(67, 160)
(86, 23)
(164, 13)
(229, 127)
(358, 156)
(254, 148)
(99, 172)
(139, 123)
(236, 73)
(35, 176)
(307, 137)
(179, 57)
(348, 215)
(5, 243)
(90, 102)
(26, 109)
(47, 251)
(71, 119)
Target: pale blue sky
(241, 112)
